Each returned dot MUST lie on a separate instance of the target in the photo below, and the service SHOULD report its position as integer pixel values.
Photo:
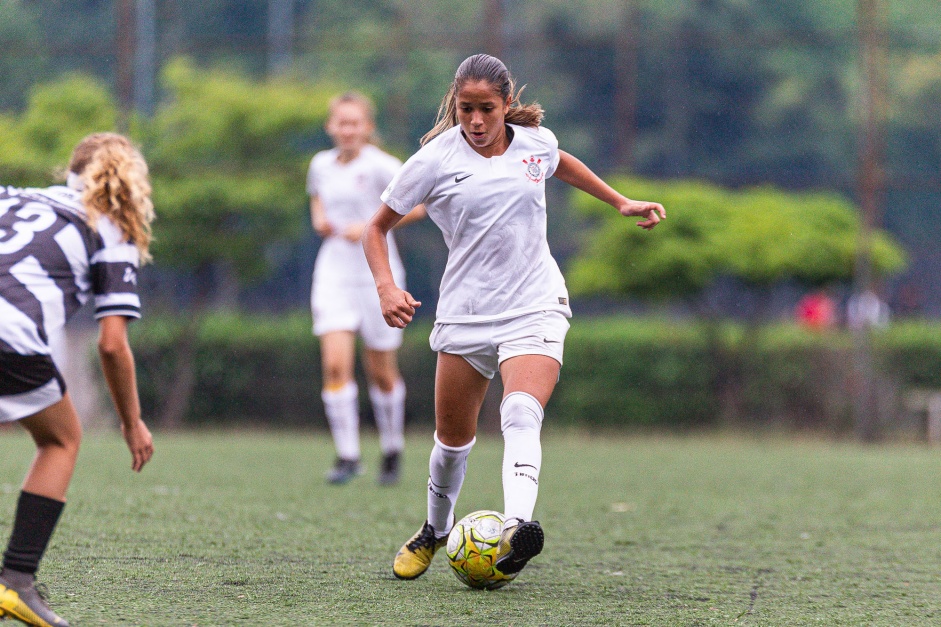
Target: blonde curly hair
(117, 185)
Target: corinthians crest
(533, 169)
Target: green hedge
(619, 372)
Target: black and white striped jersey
(52, 262)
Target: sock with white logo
(521, 420)
(446, 470)
(342, 409)
(389, 410)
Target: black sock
(36, 518)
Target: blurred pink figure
(816, 311)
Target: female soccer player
(344, 184)
(60, 246)
(503, 303)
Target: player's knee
(63, 440)
(520, 411)
(385, 380)
(335, 379)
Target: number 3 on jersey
(32, 218)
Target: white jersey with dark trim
(492, 213)
(52, 262)
(350, 194)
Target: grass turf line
(240, 528)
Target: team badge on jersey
(533, 169)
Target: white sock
(521, 420)
(446, 470)
(342, 409)
(389, 410)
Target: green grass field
(239, 528)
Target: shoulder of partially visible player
(432, 158)
(323, 159)
(378, 158)
(538, 135)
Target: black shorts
(21, 375)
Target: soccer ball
(472, 550)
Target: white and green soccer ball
(472, 550)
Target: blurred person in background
(866, 309)
(344, 184)
(60, 247)
(816, 311)
(503, 302)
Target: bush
(619, 372)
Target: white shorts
(353, 308)
(28, 385)
(485, 345)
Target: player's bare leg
(387, 394)
(459, 394)
(57, 433)
(341, 402)
(528, 381)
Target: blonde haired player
(60, 247)
(344, 184)
(503, 303)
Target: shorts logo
(533, 169)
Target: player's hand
(139, 442)
(354, 232)
(323, 227)
(398, 306)
(652, 212)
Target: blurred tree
(760, 236)
(25, 57)
(916, 105)
(733, 91)
(40, 140)
(227, 156)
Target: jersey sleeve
(412, 184)
(113, 270)
(553, 145)
(312, 178)
(389, 168)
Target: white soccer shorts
(353, 308)
(485, 345)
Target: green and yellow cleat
(520, 542)
(414, 558)
(26, 604)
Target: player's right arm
(398, 306)
(117, 364)
(318, 218)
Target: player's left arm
(572, 171)
(117, 364)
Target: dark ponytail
(483, 67)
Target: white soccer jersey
(492, 213)
(350, 194)
(52, 262)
